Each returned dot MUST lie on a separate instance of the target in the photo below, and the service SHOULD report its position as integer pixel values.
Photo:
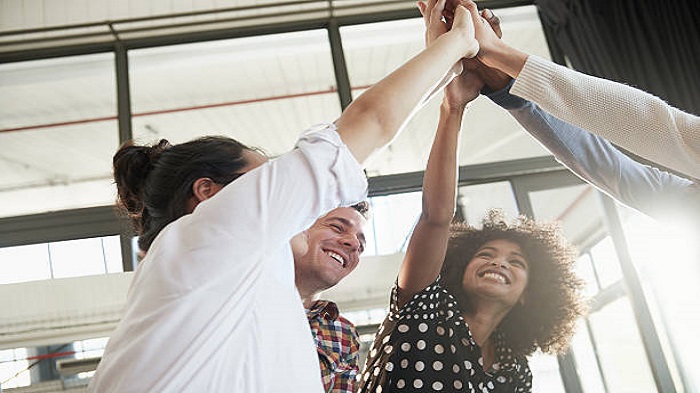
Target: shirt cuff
(505, 99)
(534, 78)
(351, 180)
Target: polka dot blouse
(426, 346)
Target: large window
(260, 90)
(58, 132)
(60, 259)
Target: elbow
(373, 117)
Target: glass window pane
(478, 199)
(577, 208)
(620, 349)
(90, 348)
(58, 131)
(261, 90)
(393, 218)
(24, 263)
(113, 254)
(666, 258)
(545, 373)
(607, 266)
(374, 50)
(586, 360)
(584, 269)
(75, 258)
(14, 370)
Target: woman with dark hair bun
(213, 306)
(154, 182)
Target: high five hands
(477, 71)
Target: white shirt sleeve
(630, 118)
(269, 205)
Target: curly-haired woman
(504, 291)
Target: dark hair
(553, 299)
(154, 183)
(362, 208)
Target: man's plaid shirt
(337, 343)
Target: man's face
(328, 251)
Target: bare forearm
(375, 118)
(440, 179)
(427, 246)
(504, 58)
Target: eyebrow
(494, 249)
(360, 235)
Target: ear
(300, 244)
(204, 188)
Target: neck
(483, 320)
(308, 296)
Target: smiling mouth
(338, 258)
(495, 277)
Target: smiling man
(324, 254)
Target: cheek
(467, 275)
(524, 278)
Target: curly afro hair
(553, 294)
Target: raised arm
(374, 118)
(650, 190)
(630, 118)
(428, 244)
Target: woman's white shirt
(213, 305)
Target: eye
(484, 254)
(518, 262)
(336, 227)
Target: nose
(352, 242)
(500, 263)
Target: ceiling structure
(59, 116)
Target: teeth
(495, 277)
(337, 257)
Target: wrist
(451, 109)
(504, 58)
(458, 39)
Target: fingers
(493, 20)
(436, 11)
(421, 8)
(463, 20)
(472, 8)
(431, 4)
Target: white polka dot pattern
(433, 351)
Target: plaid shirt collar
(324, 309)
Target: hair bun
(132, 164)
(156, 150)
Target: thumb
(472, 8)
(494, 21)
